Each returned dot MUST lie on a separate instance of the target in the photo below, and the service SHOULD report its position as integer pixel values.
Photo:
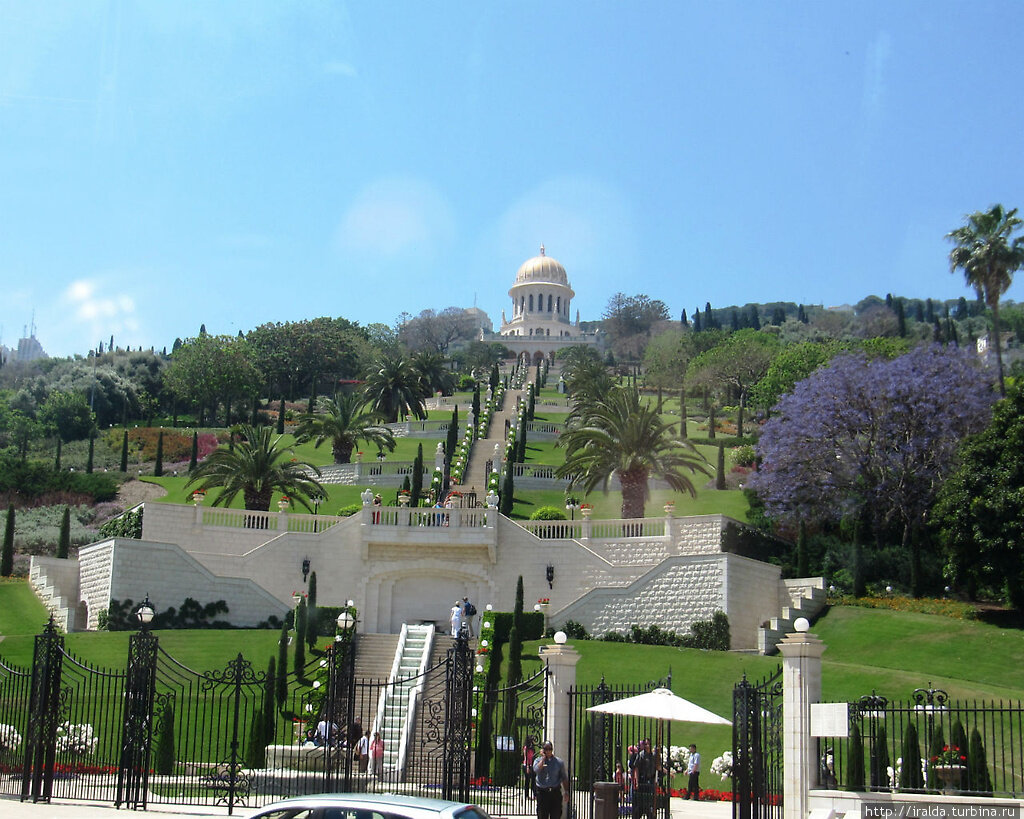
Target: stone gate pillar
(801, 686)
(561, 661)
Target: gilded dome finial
(542, 250)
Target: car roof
(426, 805)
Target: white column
(561, 661)
(801, 686)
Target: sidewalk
(12, 808)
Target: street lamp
(346, 621)
(571, 505)
(145, 613)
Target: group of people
(462, 614)
(367, 753)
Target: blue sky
(164, 165)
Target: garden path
(475, 478)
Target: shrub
(127, 525)
(744, 455)
(575, 631)
(348, 511)
(710, 635)
(120, 615)
(548, 513)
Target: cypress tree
(281, 682)
(269, 717)
(958, 737)
(711, 419)
(476, 406)
(64, 544)
(720, 468)
(802, 562)
(978, 778)
(280, 417)
(682, 319)
(7, 553)
(697, 325)
(300, 639)
(453, 436)
(165, 755)
(124, 451)
(92, 449)
(682, 413)
(311, 613)
(880, 759)
(910, 773)
(56, 463)
(194, 457)
(416, 485)
(855, 762)
(158, 468)
(256, 749)
(507, 500)
(495, 378)
(901, 319)
(934, 749)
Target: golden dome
(542, 269)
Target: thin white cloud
(99, 310)
(340, 68)
(396, 217)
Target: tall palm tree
(257, 468)
(624, 436)
(343, 422)
(393, 388)
(989, 254)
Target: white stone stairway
(397, 705)
(808, 597)
(59, 601)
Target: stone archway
(538, 357)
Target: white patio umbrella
(661, 704)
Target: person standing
(363, 752)
(645, 777)
(693, 772)
(456, 618)
(377, 755)
(529, 755)
(552, 783)
(468, 613)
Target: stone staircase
(55, 583)
(398, 700)
(375, 654)
(484, 448)
(808, 597)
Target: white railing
(427, 517)
(630, 527)
(407, 686)
(266, 521)
(564, 529)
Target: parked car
(368, 806)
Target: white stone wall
(168, 575)
(95, 564)
(409, 572)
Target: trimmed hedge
(531, 625)
(32, 479)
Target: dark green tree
(507, 499)
(166, 754)
(56, 462)
(880, 759)
(453, 436)
(7, 553)
(476, 403)
(269, 696)
(124, 451)
(92, 452)
(301, 620)
(720, 468)
(911, 777)
(311, 613)
(978, 778)
(344, 421)
(935, 747)
(193, 459)
(855, 760)
(281, 681)
(280, 417)
(64, 542)
(158, 468)
(416, 484)
(802, 558)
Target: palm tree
(257, 468)
(393, 388)
(989, 254)
(624, 436)
(343, 422)
(434, 376)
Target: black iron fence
(928, 744)
(598, 743)
(158, 731)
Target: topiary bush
(548, 513)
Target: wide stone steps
(809, 606)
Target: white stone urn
(282, 504)
(586, 512)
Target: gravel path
(134, 492)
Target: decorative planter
(951, 777)
(282, 505)
(586, 512)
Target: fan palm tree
(393, 388)
(257, 468)
(343, 422)
(988, 254)
(624, 436)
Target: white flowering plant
(78, 738)
(679, 757)
(10, 739)
(722, 765)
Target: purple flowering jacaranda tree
(872, 439)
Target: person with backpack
(468, 613)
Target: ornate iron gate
(598, 741)
(508, 719)
(757, 748)
(158, 731)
